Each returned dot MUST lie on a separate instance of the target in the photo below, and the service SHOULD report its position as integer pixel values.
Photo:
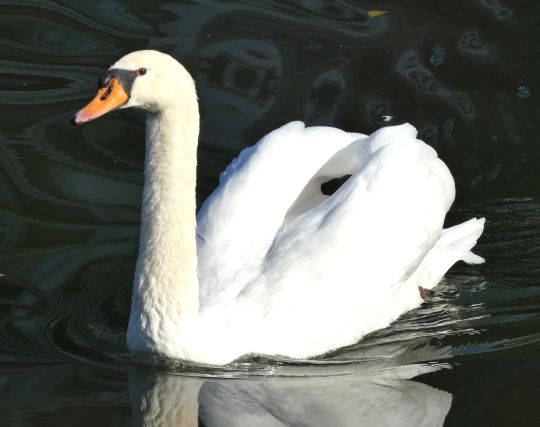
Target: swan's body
(275, 267)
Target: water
(464, 72)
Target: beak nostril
(107, 93)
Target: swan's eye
(141, 71)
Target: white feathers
(280, 268)
(305, 273)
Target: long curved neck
(166, 286)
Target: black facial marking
(125, 78)
(103, 80)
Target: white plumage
(277, 267)
(304, 278)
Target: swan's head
(147, 79)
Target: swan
(270, 265)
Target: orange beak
(108, 98)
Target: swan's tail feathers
(463, 237)
(454, 245)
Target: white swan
(270, 265)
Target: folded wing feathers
(276, 181)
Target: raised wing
(268, 184)
(349, 259)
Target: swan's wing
(239, 221)
(348, 259)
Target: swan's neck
(166, 288)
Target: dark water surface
(465, 72)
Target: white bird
(270, 265)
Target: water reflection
(385, 398)
(410, 66)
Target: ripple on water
(475, 309)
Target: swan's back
(310, 272)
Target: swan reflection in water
(384, 398)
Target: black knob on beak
(104, 80)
